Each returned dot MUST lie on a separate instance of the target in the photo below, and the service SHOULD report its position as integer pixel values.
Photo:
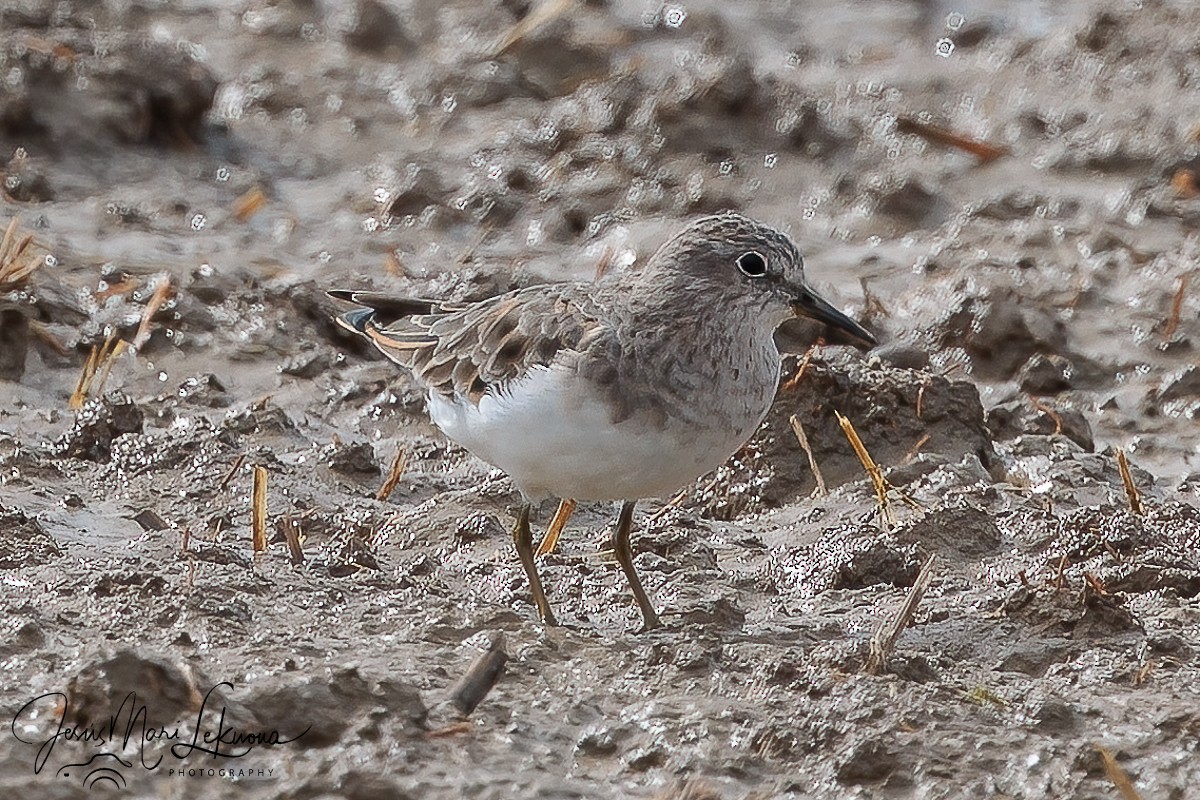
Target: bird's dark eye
(752, 264)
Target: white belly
(553, 442)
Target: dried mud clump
(1131, 554)
(168, 691)
(1014, 418)
(898, 413)
(962, 533)
(98, 424)
(14, 341)
(1079, 612)
(129, 90)
(1003, 332)
(24, 543)
(846, 557)
(328, 707)
(352, 459)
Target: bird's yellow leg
(624, 553)
(523, 539)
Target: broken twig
(161, 292)
(1117, 775)
(535, 19)
(395, 472)
(249, 203)
(96, 370)
(258, 510)
(237, 464)
(884, 640)
(1131, 490)
(983, 151)
(290, 527)
(1176, 308)
(798, 429)
(878, 482)
(485, 671)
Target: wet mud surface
(194, 176)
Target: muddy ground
(1037, 302)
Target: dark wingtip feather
(357, 319)
(389, 308)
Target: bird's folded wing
(467, 351)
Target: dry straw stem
(916, 448)
(604, 263)
(674, 502)
(44, 335)
(237, 464)
(453, 729)
(547, 12)
(794, 381)
(983, 151)
(566, 507)
(884, 640)
(258, 510)
(393, 265)
(1054, 416)
(872, 469)
(1143, 673)
(162, 291)
(395, 472)
(292, 535)
(250, 203)
(1131, 490)
(1061, 579)
(1117, 775)
(480, 237)
(16, 264)
(678, 499)
(1176, 308)
(96, 370)
(798, 429)
(981, 695)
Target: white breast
(555, 440)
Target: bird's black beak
(807, 303)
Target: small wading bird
(629, 387)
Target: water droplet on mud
(673, 16)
